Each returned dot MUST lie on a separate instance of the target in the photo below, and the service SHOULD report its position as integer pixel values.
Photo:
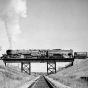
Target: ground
(13, 78)
(72, 76)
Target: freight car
(54, 53)
(80, 55)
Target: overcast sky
(51, 24)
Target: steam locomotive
(54, 53)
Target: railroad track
(42, 82)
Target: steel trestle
(51, 67)
(26, 67)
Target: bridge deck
(39, 60)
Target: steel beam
(5, 63)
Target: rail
(42, 82)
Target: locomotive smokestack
(10, 12)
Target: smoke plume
(10, 13)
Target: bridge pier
(5, 63)
(51, 67)
(26, 67)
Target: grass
(72, 75)
(12, 78)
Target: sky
(51, 24)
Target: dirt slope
(12, 78)
(72, 75)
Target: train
(35, 53)
(42, 53)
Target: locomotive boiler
(27, 53)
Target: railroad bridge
(26, 63)
(26, 57)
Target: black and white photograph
(43, 43)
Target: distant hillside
(72, 76)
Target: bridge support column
(51, 67)
(5, 63)
(72, 63)
(26, 67)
